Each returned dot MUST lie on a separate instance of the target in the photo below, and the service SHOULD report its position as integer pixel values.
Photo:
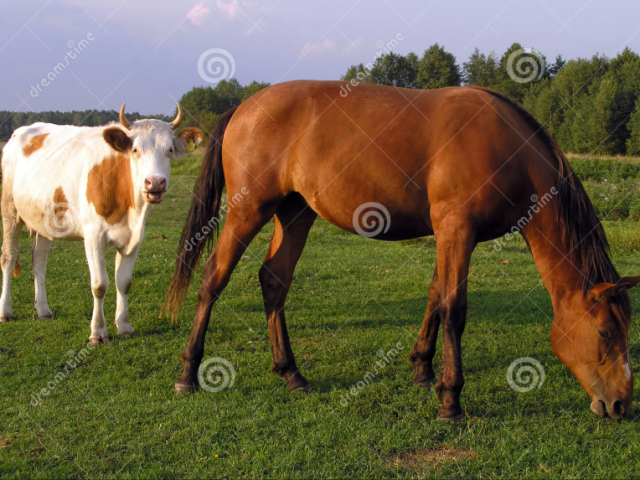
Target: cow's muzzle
(154, 189)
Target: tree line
(590, 105)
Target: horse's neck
(559, 271)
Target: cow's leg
(124, 274)
(293, 221)
(425, 347)
(95, 247)
(239, 230)
(11, 227)
(39, 256)
(455, 241)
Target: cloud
(198, 13)
(353, 46)
(317, 48)
(230, 8)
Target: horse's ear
(604, 290)
(632, 281)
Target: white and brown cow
(95, 184)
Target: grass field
(115, 414)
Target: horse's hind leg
(455, 240)
(293, 221)
(236, 235)
(11, 227)
(425, 347)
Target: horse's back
(421, 154)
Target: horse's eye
(171, 150)
(604, 333)
(135, 150)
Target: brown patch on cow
(35, 144)
(60, 201)
(100, 291)
(17, 270)
(110, 187)
(431, 457)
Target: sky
(148, 53)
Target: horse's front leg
(455, 241)
(124, 275)
(95, 246)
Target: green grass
(116, 414)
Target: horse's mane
(582, 232)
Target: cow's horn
(123, 120)
(178, 120)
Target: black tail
(202, 220)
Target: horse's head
(591, 337)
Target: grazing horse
(464, 164)
(95, 184)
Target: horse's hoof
(5, 319)
(95, 341)
(425, 382)
(127, 335)
(186, 387)
(304, 388)
(447, 417)
(46, 316)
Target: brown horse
(464, 164)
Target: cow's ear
(187, 140)
(117, 139)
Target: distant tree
(437, 68)
(555, 67)
(358, 73)
(395, 70)
(480, 69)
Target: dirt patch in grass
(428, 457)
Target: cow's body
(84, 183)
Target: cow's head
(150, 145)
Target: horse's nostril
(618, 407)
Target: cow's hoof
(102, 340)
(5, 319)
(186, 387)
(445, 416)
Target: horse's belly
(374, 219)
